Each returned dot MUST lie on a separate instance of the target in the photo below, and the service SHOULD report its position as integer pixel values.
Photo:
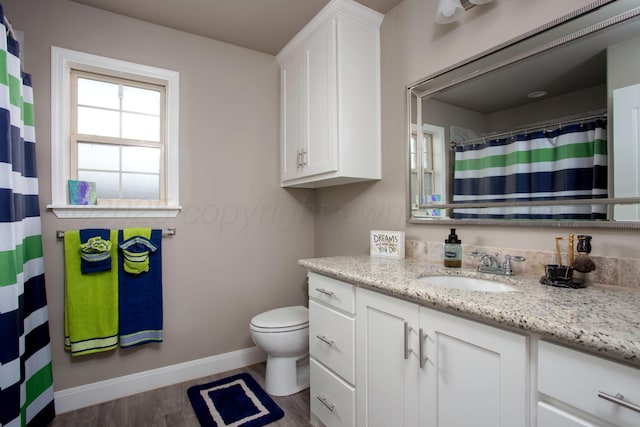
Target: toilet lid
(282, 317)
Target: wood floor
(170, 407)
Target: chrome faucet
(491, 264)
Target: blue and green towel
(91, 300)
(113, 292)
(140, 286)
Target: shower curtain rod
(169, 232)
(531, 128)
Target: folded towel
(135, 254)
(140, 291)
(95, 251)
(90, 300)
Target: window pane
(98, 156)
(141, 127)
(141, 159)
(92, 121)
(98, 94)
(136, 186)
(107, 183)
(141, 100)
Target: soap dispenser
(453, 250)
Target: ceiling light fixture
(451, 10)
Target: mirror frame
(555, 33)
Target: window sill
(114, 211)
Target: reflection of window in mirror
(428, 182)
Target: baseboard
(103, 391)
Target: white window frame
(62, 61)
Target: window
(114, 123)
(427, 158)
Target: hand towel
(95, 251)
(135, 254)
(140, 299)
(90, 300)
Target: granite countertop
(599, 319)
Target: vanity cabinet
(332, 351)
(421, 367)
(330, 99)
(574, 388)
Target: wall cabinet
(332, 351)
(578, 389)
(330, 99)
(421, 367)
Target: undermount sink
(467, 283)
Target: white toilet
(283, 333)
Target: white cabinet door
(474, 374)
(291, 125)
(387, 367)
(320, 147)
(626, 151)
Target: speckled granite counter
(599, 319)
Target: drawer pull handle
(407, 350)
(325, 339)
(326, 292)
(619, 399)
(423, 357)
(326, 403)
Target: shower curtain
(564, 164)
(26, 384)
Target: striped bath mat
(237, 401)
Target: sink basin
(468, 284)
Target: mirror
(524, 134)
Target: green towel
(91, 301)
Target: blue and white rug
(236, 401)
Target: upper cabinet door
(320, 151)
(291, 119)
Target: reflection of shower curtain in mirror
(564, 164)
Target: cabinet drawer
(550, 416)
(576, 378)
(332, 339)
(333, 401)
(333, 292)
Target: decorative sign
(387, 244)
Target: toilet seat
(285, 319)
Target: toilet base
(286, 375)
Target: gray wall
(413, 47)
(239, 235)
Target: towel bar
(169, 232)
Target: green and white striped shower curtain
(26, 384)
(564, 164)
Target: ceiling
(262, 25)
